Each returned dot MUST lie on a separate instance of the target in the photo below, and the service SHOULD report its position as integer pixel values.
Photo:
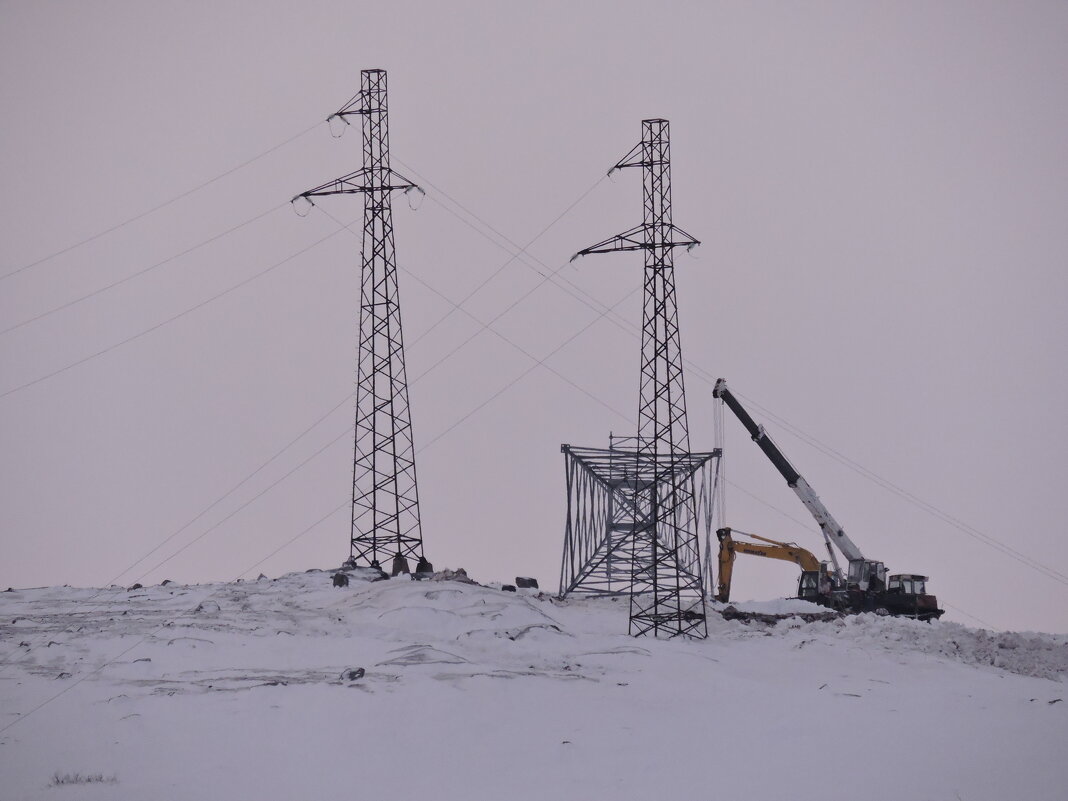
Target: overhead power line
(511, 258)
(348, 397)
(144, 270)
(505, 243)
(333, 409)
(607, 311)
(173, 318)
(110, 582)
(160, 206)
(252, 500)
(913, 499)
(458, 422)
(517, 252)
(235, 488)
(219, 523)
(484, 326)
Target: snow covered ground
(469, 692)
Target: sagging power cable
(349, 396)
(438, 437)
(915, 500)
(323, 417)
(631, 328)
(219, 523)
(142, 271)
(513, 256)
(277, 454)
(173, 318)
(162, 205)
(484, 326)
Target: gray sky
(881, 190)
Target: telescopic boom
(832, 532)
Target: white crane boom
(833, 533)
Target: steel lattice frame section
(385, 497)
(601, 487)
(666, 589)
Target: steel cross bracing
(666, 593)
(385, 497)
(602, 486)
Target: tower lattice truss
(639, 524)
(385, 497)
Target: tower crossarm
(360, 181)
(357, 105)
(657, 233)
(638, 156)
(368, 100)
(639, 238)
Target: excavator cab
(816, 586)
(808, 586)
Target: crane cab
(866, 575)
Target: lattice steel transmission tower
(385, 497)
(658, 521)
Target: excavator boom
(771, 549)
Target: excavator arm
(772, 549)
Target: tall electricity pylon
(666, 593)
(385, 497)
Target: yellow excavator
(816, 578)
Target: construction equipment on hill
(865, 586)
(812, 570)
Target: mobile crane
(865, 585)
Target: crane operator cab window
(867, 575)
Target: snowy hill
(468, 692)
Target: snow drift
(291, 688)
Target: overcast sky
(881, 190)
